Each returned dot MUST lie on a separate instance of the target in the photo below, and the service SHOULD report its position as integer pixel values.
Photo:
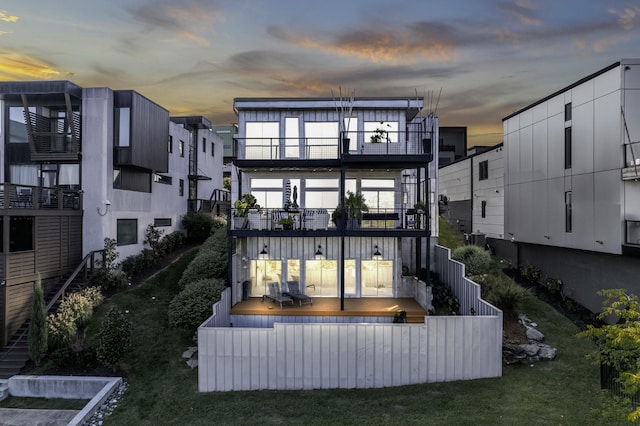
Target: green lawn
(447, 236)
(163, 389)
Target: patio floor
(330, 306)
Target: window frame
(483, 170)
(160, 222)
(568, 212)
(120, 232)
(567, 148)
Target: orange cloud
(16, 66)
(7, 18)
(627, 16)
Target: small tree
(618, 343)
(153, 237)
(114, 338)
(38, 325)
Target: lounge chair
(276, 295)
(296, 294)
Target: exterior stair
(14, 356)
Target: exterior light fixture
(319, 255)
(376, 254)
(264, 254)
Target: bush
(74, 312)
(38, 325)
(173, 241)
(62, 329)
(504, 293)
(114, 338)
(476, 259)
(198, 226)
(444, 300)
(211, 261)
(153, 237)
(531, 274)
(193, 305)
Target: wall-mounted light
(376, 254)
(106, 203)
(319, 255)
(264, 254)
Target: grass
(43, 403)
(447, 236)
(163, 389)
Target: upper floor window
(568, 220)
(181, 148)
(483, 209)
(204, 145)
(167, 180)
(181, 188)
(170, 147)
(567, 147)
(124, 126)
(321, 139)
(212, 150)
(380, 131)
(483, 170)
(567, 112)
(262, 140)
(17, 125)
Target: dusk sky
(487, 58)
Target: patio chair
(296, 294)
(276, 295)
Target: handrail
(55, 298)
(72, 277)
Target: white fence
(314, 356)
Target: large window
(292, 137)
(567, 147)
(380, 131)
(20, 233)
(377, 278)
(25, 174)
(124, 126)
(17, 125)
(261, 273)
(321, 278)
(321, 139)
(483, 170)
(262, 141)
(379, 194)
(127, 232)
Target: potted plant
(419, 206)
(337, 217)
(286, 222)
(355, 205)
(378, 135)
(242, 206)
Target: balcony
(39, 198)
(312, 221)
(406, 148)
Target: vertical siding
(344, 355)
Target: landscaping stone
(108, 406)
(189, 352)
(531, 351)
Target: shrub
(444, 300)
(505, 294)
(193, 305)
(476, 259)
(38, 325)
(172, 241)
(62, 329)
(211, 261)
(94, 295)
(114, 338)
(554, 285)
(153, 237)
(531, 274)
(198, 226)
(219, 222)
(74, 312)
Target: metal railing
(325, 219)
(322, 148)
(36, 197)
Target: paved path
(34, 417)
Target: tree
(38, 325)
(114, 338)
(618, 343)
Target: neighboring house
(471, 192)
(452, 144)
(291, 158)
(572, 189)
(83, 164)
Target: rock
(530, 349)
(193, 363)
(189, 352)
(533, 334)
(546, 352)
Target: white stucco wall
(490, 190)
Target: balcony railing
(14, 196)
(324, 148)
(319, 219)
(631, 170)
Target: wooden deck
(324, 306)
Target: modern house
(83, 164)
(471, 195)
(572, 183)
(336, 198)
(452, 144)
(300, 158)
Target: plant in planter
(419, 206)
(355, 205)
(242, 206)
(286, 222)
(378, 135)
(337, 216)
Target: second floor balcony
(354, 147)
